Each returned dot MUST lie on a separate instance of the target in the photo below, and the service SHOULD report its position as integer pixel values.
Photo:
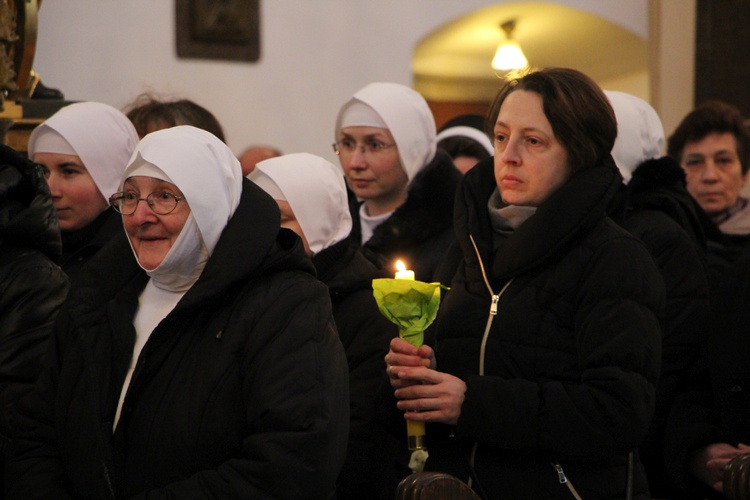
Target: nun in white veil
(654, 206)
(204, 361)
(403, 186)
(311, 195)
(84, 148)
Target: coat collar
(576, 206)
(659, 184)
(427, 211)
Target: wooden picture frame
(218, 29)
(721, 42)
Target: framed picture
(218, 29)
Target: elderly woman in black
(547, 346)
(198, 357)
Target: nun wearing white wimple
(201, 337)
(404, 187)
(84, 148)
(654, 205)
(312, 197)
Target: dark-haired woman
(541, 380)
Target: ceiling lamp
(509, 55)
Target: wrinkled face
(713, 171)
(75, 196)
(530, 164)
(289, 221)
(150, 234)
(372, 167)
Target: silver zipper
(560, 473)
(564, 480)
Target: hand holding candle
(412, 305)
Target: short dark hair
(580, 114)
(710, 117)
(147, 113)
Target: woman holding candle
(404, 187)
(198, 358)
(541, 380)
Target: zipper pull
(493, 306)
(560, 473)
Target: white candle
(402, 273)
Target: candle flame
(400, 266)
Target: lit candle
(402, 273)
(414, 429)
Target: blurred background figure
(312, 197)
(148, 113)
(465, 141)
(84, 149)
(709, 423)
(252, 155)
(32, 286)
(654, 206)
(712, 145)
(403, 186)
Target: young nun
(84, 149)
(311, 195)
(404, 186)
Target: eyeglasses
(347, 147)
(160, 202)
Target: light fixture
(509, 55)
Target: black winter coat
(366, 335)
(240, 392)
(716, 406)
(79, 246)
(657, 209)
(32, 286)
(568, 372)
(419, 231)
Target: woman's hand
(432, 397)
(708, 463)
(402, 354)
(425, 394)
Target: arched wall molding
(451, 65)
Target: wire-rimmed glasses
(160, 202)
(347, 147)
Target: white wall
(314, 55)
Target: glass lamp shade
(509, 56)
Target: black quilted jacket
(240, 392)
(567, 373)
(32, 286)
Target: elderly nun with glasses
(199, 358)
(403, 186)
